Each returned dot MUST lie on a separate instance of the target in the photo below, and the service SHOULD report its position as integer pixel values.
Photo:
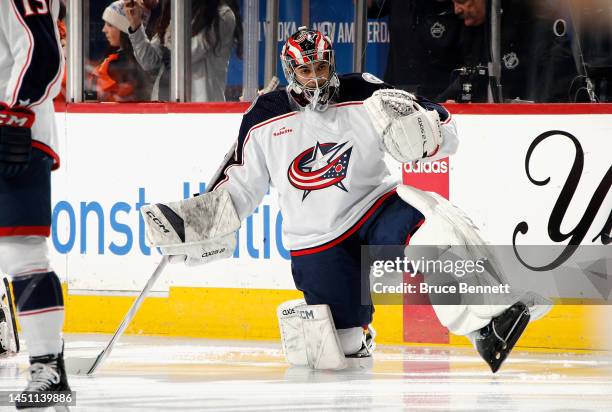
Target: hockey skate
(495, 341)
(367, 345)
(47, 374)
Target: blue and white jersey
(327, 167)
(32, 64)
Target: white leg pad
(291, 332)
(309, 337)
(323, 348)
(448, 225)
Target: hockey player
(31, 70)
(321, 144)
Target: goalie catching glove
(408, 131)
(197, 230)
(15, 139)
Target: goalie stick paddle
(87, 366)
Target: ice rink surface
(168, 374)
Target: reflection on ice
(154, 373)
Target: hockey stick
(11, 308)
(87, 366)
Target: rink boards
(115, 158)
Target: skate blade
(520, 328)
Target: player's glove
(15, 139)
(197, 230)
(408, 131)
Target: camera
(473, 81)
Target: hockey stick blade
(87, 366)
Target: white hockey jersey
(328, 167)
(32, 64)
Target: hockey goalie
(321, 144)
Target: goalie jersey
(328, 167)
(31, 65)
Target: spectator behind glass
(61, 27)
(536, 58)
(214, 34)
(119, 77)
(424, 47)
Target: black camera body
(473, 81)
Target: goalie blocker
(196, 231)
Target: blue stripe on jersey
(43, 68)
(353, 87)
(444, 114)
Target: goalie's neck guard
(309, 47)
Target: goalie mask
(310, 68)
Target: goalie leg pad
(323, 347)
(448, 225)
(309, 337)
(291, 332)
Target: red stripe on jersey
(25, 231)
(38, 312)
(50, 152)
(349, 232)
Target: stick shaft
(130, 315)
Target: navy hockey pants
(331, 273)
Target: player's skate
(495, 341)
(367, 345)
(47, 374)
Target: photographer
(536, 59)
(424, 46)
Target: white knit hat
(115, 15)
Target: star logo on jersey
(320, 167)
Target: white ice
(156, 373)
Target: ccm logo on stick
(157, 222)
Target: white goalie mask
(310, 51)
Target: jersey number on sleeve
(41, 7)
